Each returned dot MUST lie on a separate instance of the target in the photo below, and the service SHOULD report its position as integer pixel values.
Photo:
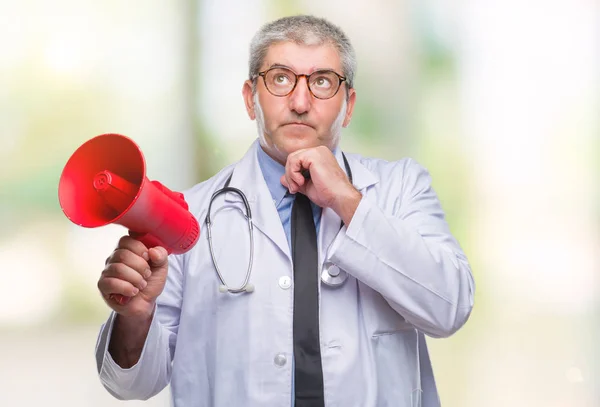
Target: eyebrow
(277, 65)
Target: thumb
(158, 257)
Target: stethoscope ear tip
(249, 288)
(222, 288)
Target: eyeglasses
(323, 84)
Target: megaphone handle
(121, 299)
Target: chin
(301, 136)
(294, 144)
(291, 139)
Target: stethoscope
(332, 275)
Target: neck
(270, 154)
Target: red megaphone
(105, 182)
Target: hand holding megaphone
(134, 273)
(105, 182)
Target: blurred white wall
(530, 99)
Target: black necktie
(308, 372)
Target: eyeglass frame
(298, 76)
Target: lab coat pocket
(396, 357)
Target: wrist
(128, 338)
(139, 315)
(346, 203)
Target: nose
(300, 98)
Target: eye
(322, 82)
(281, 79)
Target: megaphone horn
(105, 182)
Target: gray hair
(304, 30)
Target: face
(298, 120)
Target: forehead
(303, 58)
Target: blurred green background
(500, 100)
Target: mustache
(298, 120)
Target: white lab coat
(408, 277)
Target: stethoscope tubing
(330, 280)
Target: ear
(349, 107)
(249, 99)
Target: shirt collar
(272, 172)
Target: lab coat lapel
(247, 177)
(330, 221)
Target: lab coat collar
(248, 178)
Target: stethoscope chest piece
(333, 276)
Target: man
(285, 338)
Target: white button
(285, 282)
(280, 359)
(333, 270)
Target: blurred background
(500, 100)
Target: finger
(284, 181)
(302, 188)
(125, 273)
(159, 257)
(298, 178)
(133, 245)
(288, 183)
(298, 166)
(293, 181)
(111, 285)
(132, 260)
(293, 186)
